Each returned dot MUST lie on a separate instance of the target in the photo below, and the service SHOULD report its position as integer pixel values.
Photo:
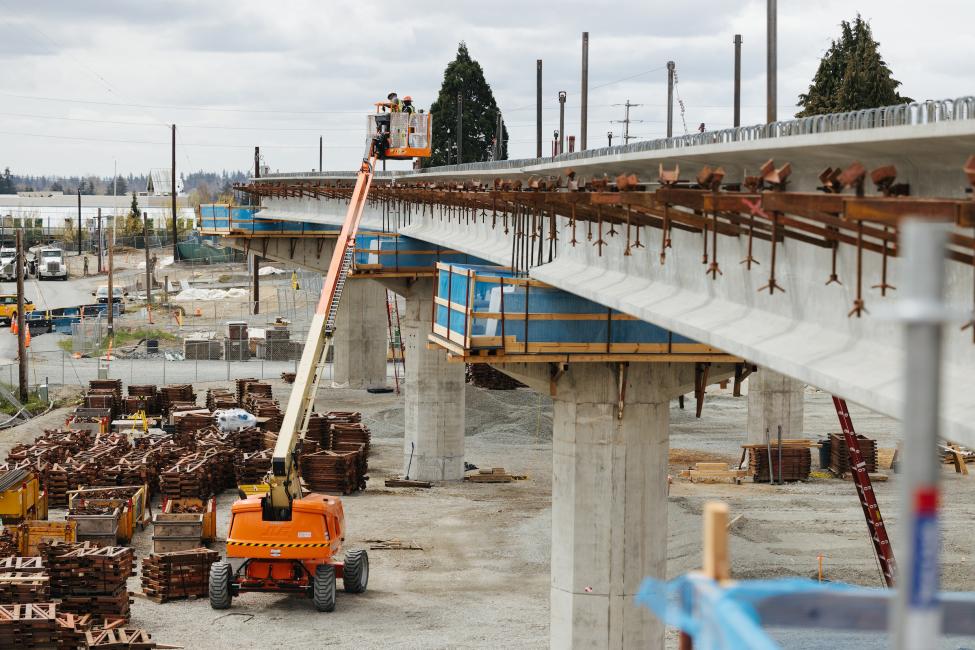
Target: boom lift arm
(284, 480)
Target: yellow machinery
(21, 497)
(282, 539)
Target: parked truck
(8, 264)
(51, 264)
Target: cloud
(283, 73)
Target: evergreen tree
(120, 184)
(7, 183)
(851, 76)
(464, 75)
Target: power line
(188, 144)
(182, 126)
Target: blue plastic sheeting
(404, 252)
(487, 297)
(215, 216)
(723, 618)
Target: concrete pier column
(609, 503)
(774, 400)
(434, 396)
(361, 336)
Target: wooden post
(21, 332)
(111, 286)
(716, 563)
(145, 243)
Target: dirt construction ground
(481, 575)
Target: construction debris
(391, 545)
(494, 475)
(713, 473)
(407, 483)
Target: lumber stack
(241, 386)
(253, 467)
(9, 541)
(22, 587)
(89, 579)
(331, 472)
(220, 398)
(146, 396)
(30, 625)
(119, 638)
(71, 630)
(318, 429)
(356, 433)
(250, 439)
(176, 393)
(796, 463)
(839, 454)
(180, 574)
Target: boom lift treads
(286, 540)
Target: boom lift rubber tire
(355, 575)
(323, 588)
(220, 575)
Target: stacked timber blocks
(180, 574)
(839, 454)
(89, 579)
(31, 625)
(342, 465)
(796, 463)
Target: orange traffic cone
(26, 335)
(13, 325)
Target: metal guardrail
(947, 110)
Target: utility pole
(737, 80)
(538, 109)
(21, 332)
(560, 148)
(111, 286)
(173, 191)
(145, 241)
(499, 138)
(321, 148)
(772, 73)
(670, 99)
(625, 122)
(609, 136)
(257, 260)
(79, 219)
(584, 95)
(99, 240)
(460, 128)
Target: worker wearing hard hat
(395, 105)
(408, 105)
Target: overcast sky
(87, 83)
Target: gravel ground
(482, 576)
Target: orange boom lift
(287, 540)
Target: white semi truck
(51, 264)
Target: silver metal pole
(916, 612)
(538, 108)
(670, 99)
(737, 80)
(584, 95)
(772, 73)
(560, 148)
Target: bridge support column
(774, 400)
(434, 395)
(609, 497)
(361, 336)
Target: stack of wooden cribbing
(177, 394)
(119, 638)
(180, 574)
(9, 542)
(252, 467)
(241, 385)
(796, 462)
(250, 439)
(105, 393)
(839, 454)
(220, 398)
(200, 474)
(318, 429)
(72, 629)
(23, 580)
(29, 625)
(143, 397)
(331, 472)
(89, 579)
(190, 423)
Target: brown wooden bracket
(754, 208)
(859, 307)
(701, 372)
(555, 372)
(292, 244)
(742, 370)
(621, 388)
